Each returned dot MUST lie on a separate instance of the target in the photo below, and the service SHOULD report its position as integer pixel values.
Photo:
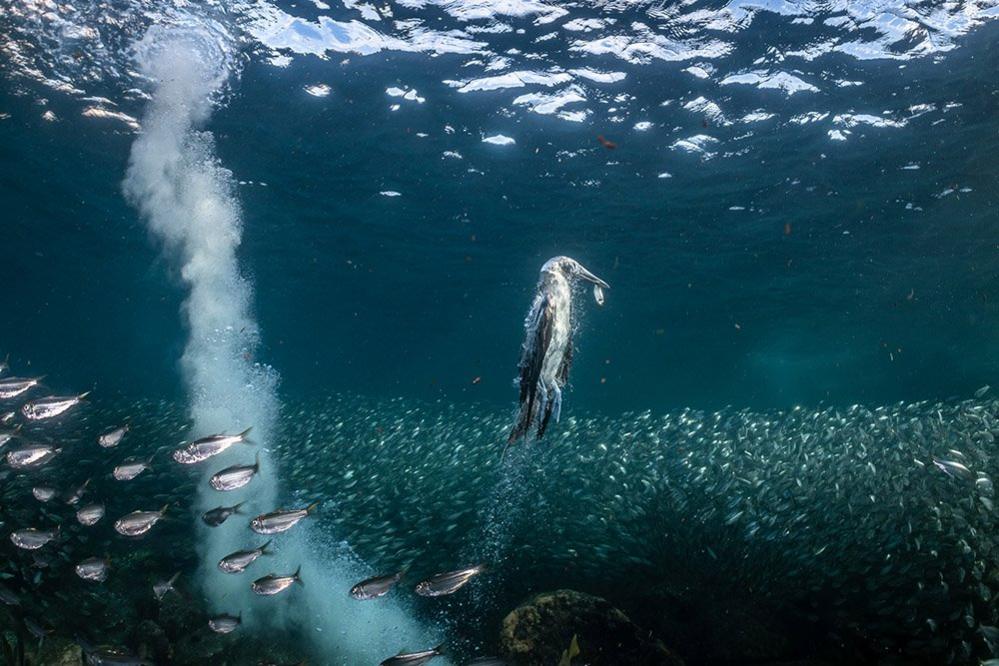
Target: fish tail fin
(439, 649)
(298, 575)
(264, 551)
(235, 508)
(173, 579)
(164, 508)
(256, 463)
(312, 507)
(243, 435)
(84, 395)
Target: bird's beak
(587, 275)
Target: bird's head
(571, 269)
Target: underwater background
(326, 221)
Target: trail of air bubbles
(189, 203)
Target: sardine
(138, 522)
(111, 439)
(74, 496)
(129, 470)
(32, 538)
(50, 406)
(7, 435)
(272, 583)
(31, 456)
(238, 561)
(450, 582)
(953, 468)
(162, 587)
(217, 516)
(280, 521)
(225, 624)
(93, 569)
(8, 596)
(90, 514)
(43, 493)
(413, 658)
(598, 294)
(235, 476)
(15, 386)
(376, 586)
(206, 447)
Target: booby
(547, 351)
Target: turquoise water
(327, 223)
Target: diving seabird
(547, 350)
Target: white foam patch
(318, 90)
(499, 140)
(757, 116)
(783, 81)
(646, 45)
(586, 24)
(100, 112)
(407, 94)
(511, 80)
(279, 30)
(548, 104)
(707, 108)
(698, 144)
(598, 76)
(854, 119)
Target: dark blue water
(794, 204)
(825, 288)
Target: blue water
(797, 210)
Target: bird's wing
(539, 337)
(563, 368)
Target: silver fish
(206, 447)
(953, 468)
(413, 658)
(110, 656)
(8, 596)
(218, 515)
(235, 476)
(280, 521)
(225, 624)
(138, 522)
(15, 386)
(238, 561)
(74, 496)
(129, 470)
(32, 538)
(8, 435)
(43, 493)
(93, 569)
(113, 438)
(450, 582)
(162, 587)
(31, 456)
(598, 294)
(90, 515)
(50, 406)
(376, 586)
(36, 630)
(272, 583)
